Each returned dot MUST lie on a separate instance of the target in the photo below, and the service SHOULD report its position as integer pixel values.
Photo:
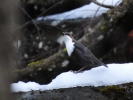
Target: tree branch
(103, 5)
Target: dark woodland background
(21, 34)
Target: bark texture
(7, 15)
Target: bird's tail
(104, 65)
(101, 63)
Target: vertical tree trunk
(6, 49)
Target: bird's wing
(82, 54)
(93, 58)
(87, 55)
(82, 49)
(79, 46)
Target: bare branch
(101, 4)
(38, 16)
(37, 28)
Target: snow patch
(100, 37)
(26, 55)
(100, 76)
(85, 11)
(65, 63)
(40, 45)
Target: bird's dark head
(68, 34)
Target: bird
(80, 54)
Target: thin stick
(101, 4)
(37, 28)
(39, 15)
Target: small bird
(80, 54)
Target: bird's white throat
(69, 44)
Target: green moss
(29, 65)
(112, 88)
(62, 90)
(42, 61)
(103, 28)
(88, 34)
(111, 12)
(36, 64)
(65, 50)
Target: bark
(7, 15)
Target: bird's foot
(80, 71)
(75, 72)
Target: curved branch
(32, 20)
(101, 4)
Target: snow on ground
(82, 12)
(99, 76)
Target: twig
(40, 14)
(101, 4)
(51, 7)
(95, 14)
(31, 20)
